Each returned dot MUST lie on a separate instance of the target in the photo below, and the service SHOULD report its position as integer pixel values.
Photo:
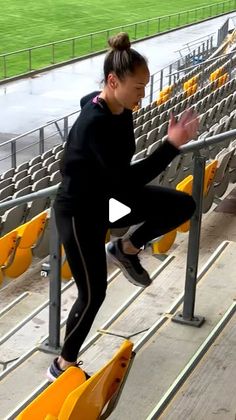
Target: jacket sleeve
(135, 173)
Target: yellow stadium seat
(210, 172)
(28, 234)
(194, 88)
(164, 244)
(136, 108)
(190, 83)
(186, 86)
(47, 405)
(187, 185)
(71, 397)
(167, 90)
(159, 101)
(189, 92)
(216, 74)
(222, 79)
(164, 95)
(65, 268)
(8, 245)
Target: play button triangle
(117, 210)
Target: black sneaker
(54, 370)
(129, 264)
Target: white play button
(117, 210)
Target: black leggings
(83, 236)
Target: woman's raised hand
(185, 129)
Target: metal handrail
(193, 145)
(187, 317)
(37, 129)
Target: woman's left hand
(185, 129)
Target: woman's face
(131, 89)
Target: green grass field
(27, 23)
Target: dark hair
(121, 58)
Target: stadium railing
(38, 140)
(72, 48)
(187, 316)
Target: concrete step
(168, 286)
(216, 376)
(120, 295)
(134, 322)
(167, 353)
(163, 348)
(32, 330)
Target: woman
(96, 166)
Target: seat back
(89, 399)
(5, 182)
(28, 234)
(52, 398)
(71, 397)
(13, 218)
(7, 191)
(7, 246)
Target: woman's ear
(111, 80)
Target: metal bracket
(196, 321)
(46, 348)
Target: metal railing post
(4, 67)
(151, 88)
(30, 59)
(41, 140)
(170, 71)
(53, 53)
(187, 17)
(13, 154)
(178, 19)
(55, 285)
(161, 79)
(66, 128)
(73, 47)
(187, 317)
(53, 343)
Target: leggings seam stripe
(87, 282)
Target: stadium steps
(168, 352)
(216, 376)
(120, 295)
(146, 310)
(146, 317)
(158, 297)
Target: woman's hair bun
(120, 42)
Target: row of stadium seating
(40, 172)
(153, 130)
(47, 158)
(180, 101)
(204, 70)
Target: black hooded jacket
(98, 152)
